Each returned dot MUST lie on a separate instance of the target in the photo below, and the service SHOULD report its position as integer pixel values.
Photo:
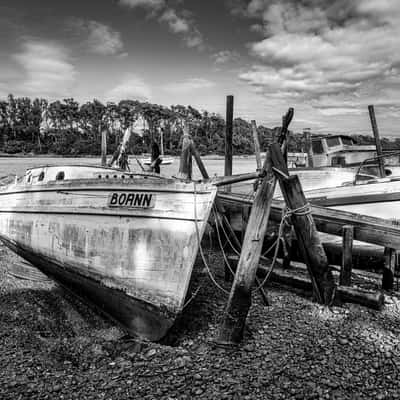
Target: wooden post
(308, 147)
(199, 161)
(239, 302)
(185, 164)
(309, 242)
(289, 243)
(347, 256)
(389, 269)
(377, 140)
(240, 296)
(228, 137)
(103, 148)
(256, 144)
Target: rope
(221, 246)
(199, 243)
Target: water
(310, 179)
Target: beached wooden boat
(379, 197)
(125, 241)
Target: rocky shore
(52, 346)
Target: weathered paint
(136, 263)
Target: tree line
(68, 128)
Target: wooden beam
(308, 147)
(368, 229)
(256, 144)
(103, 148)
(347, 255)
(229, 136)
(199, 161)
(378, 144)
(389, 269)
(346, 294)
(185, 164)
(239, 302)
(310, 244)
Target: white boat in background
(125, 241)
(379, 197)
(164, 160)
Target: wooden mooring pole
(389, 269)
(103, 148)
(256, 144)
(310, 244)
(239, 302)
(378, 144)
(228, 137)
(347, 256)
(185, 164)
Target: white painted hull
(135, 263)
(377, 199)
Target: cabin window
(317, 147)
(107, 176)
(29, 179)
(99, 176)
(346, 140)
(332, 141)
(60, 176)
(115, 176)
(41, 176)
(122, 176)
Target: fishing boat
(125, 241)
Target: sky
(327, 59)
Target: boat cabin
(339, 151)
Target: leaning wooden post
(377, 140)
(224, 220)
(103, 147)
(239, 302)
(185, 164)
(228, 137)
(389, 268)
(309, 242)
(347, 256)
(256, 144)
(240, 296)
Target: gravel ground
(53, 347)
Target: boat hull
(135, 264)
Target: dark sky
(327, 59)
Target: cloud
(188, 85)
(225, 56)
(47, 70)
(149, 4)
(101, 39)
(130, 88)
(316, 48)
(180, 23)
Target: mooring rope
(199, 243)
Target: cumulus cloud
(130, 88)
(188, 85)
(101, 39)
(225, 56)
(180, 23)
(315, 48)
(151, 4)
(47, 69)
